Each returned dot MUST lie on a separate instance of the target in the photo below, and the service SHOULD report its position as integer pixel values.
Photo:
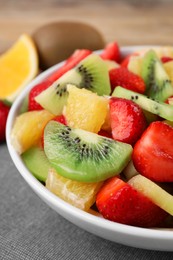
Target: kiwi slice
(91, 73)
(84, 156)
(158, 108)
(37, 162)
(158, 83)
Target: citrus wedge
(18, 66)
(28, 128)
(79, 194)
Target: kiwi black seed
(91, 73)
(84, 156)
(158, 84)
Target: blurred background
(127, 21)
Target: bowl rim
(47, 196)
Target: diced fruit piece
(79, 194)
(37, 162)
(85, 109)
(111, 52)
(105, 133)
(168, 66)
(4, 110)
(155, 193)
(166, 59)
(70, 63)
(111, 64)
(135, 64)
(18, 66)
(158, 84)
(24, 105)
(107, 124)
(84, 156)
(130, 171)
(153, 153)
(35, 91)
(158, 108)
(91, 73)
(127, 120)
(27, 129)
(126, 79)
(119, 202)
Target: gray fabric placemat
(30, 230)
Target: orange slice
(18, 66)
(28, 128)
(79, 194)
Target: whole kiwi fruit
(58, 40)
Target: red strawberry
(119, 202)
(111, 52)
(153, 153)
(4, 110)
(165, 59)
(123, 77)
(70, 63)
(61, 119)
(36, 90)
(127, 120)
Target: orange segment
(85, 109)
(18, 66)
(28, 128)
(79, 194)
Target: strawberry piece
(119, 202)
(4, 110)
(61, 119)
(165, 59)
(70, 63)
(127, 120)
(111, 52)
(153, 153)
(123, 77)
(36, 90)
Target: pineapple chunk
(85, 109)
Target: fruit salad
(98, 133)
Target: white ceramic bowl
(133, 236)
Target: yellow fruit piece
(28, 128)
(154, 192)
(107, 123)
(18, 66)
(135, 64)
(168, 66)
(79, 194)
(111, 64)
(85, 109)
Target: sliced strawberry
(4, 110)
(119, 202)
(111, 52)
(70, 63)
(123, 77)
(153, 153)
(127, 120)
(61, 119)
(36, 90)
(165, 59)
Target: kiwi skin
(57, 41)
(84, 156)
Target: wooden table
(128, 22)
